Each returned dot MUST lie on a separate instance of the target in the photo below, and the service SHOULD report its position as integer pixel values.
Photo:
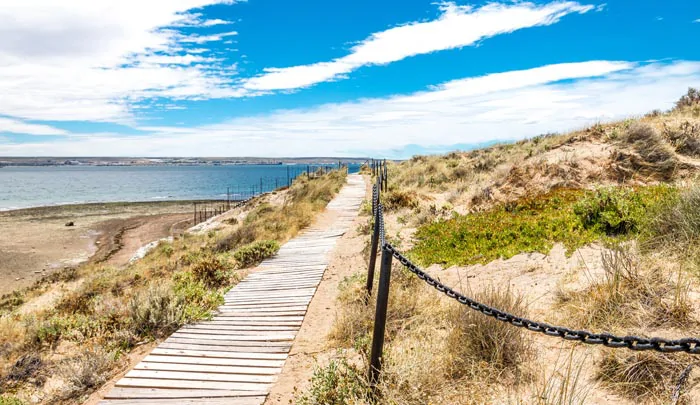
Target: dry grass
(676, 227)
(642, 376)
(436, 351)
(477, 341)
(650, 156)
(565, 385)
(633, 292)
(85, 372)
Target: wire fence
(388, 253)
(239, 194)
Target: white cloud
(456, 27)
(697, 21)
(201, 39)
(18, 127)
(501, 106)
(91, 60)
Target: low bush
(338, 383)
(212, 271)
(689, 99)
(252, 254)
(617, 210)
(27, 368)
(157, 311)
(238, 237)
(85, 372)
(10, 400)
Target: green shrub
(612, 210)
(212, 271)
(157, 311)
(252, 254)
(339, 383)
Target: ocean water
(23, 187)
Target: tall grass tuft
(477, 340)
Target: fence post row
(380, 171)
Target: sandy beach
(36, 241)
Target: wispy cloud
(9, 125)
(501, 106)
(93, 60)
(456, 27)
(697, 21)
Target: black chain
(688, 345)
(380, 216)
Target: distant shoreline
(107, 205)
(165, 162)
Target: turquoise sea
(23, 187)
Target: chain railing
(389, 252)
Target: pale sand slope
(34, 242)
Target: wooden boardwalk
(235, 357)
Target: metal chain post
(375, 366)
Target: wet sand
(36, 241)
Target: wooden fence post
(375, 366)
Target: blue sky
(274, 78)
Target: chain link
(688, 345)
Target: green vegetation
(534, 224)
(252, 254)
(338, 383)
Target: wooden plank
(201, 376)
(195, 352)
(251, 323)
(153, 393)
(260, 309)
(255, 340)
(233, 312)
(191, 384)
(257, 400)
(151, 361)
(265, 336)
(243, 328)
(179, 344)
(249, 318)
(257, 347)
